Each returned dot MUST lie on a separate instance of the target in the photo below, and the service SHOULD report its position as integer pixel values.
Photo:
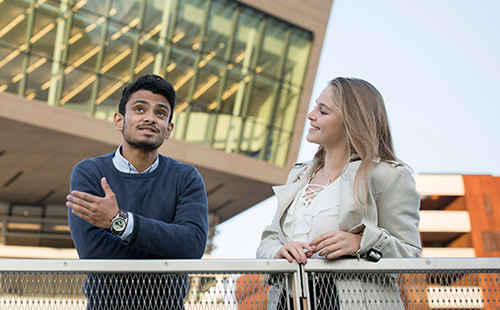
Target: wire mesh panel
(41, 291)
(373, 290)
(354, 291)
(139, 291)
(459, 290)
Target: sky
(437, 65)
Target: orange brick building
(460, 215)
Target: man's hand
(98, 211)
(336, 243)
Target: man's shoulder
(183, 174)
(94, 162)
(177, 166)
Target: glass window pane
(207, 86)
(273, 47)
(153, 16)
(44, 31)
(97, 7)
(13, 22)
(12, 39)
(38, 70)
(298, 56)
(190, 16)
(245, 41)
(76, 90)
(145, 60)
(10, 64)
(126, 13)
(84, 42)
(220, 27)
(117, 55)
(181, 75)
(110, 91)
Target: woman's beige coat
(388, 222)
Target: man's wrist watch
(119, 223)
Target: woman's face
(326, 127)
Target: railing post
(305, 300)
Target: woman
(355, 198)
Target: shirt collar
(125, 166)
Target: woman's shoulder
(386, 171)
(385, 167)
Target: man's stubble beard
(141, 145)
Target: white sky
(437, 65)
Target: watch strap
(374, 255)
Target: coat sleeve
(398, 204)
(270, 243)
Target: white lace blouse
(307, 217)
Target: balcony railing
(250, 284)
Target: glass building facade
(238, 72)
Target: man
(135, 203)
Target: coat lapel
(286, 193)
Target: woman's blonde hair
(362, 111)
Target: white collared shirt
(125, 166)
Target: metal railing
(250, 284)
(467, 283)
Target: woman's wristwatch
(374, 255)
(119, 223)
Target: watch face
(119, 224)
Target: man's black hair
(155, 84)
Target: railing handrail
(405, 265)
(148, 266)
(250, 265)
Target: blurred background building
(243, 70)
(459, 215)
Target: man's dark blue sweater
(169, 207)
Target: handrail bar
(249, 265)
(405, 265)
(148, 266)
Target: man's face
(145, 124)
